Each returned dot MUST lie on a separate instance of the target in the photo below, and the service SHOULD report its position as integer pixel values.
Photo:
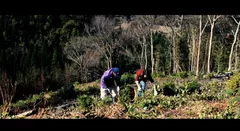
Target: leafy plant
(126, 94)
(66, 92)
(234, 83)
(85, 101)
(158, 75)
(192, 86)
(169, 88)
(183, 74)
(127, 78)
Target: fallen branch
(225, 76)
(24, 114)
(66, 105)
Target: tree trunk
(237, 56)
(190, 54)
(204, 65)
(81, 75)
(193, 52)
(219, 59)
(157, 63)
(212, 21)
(108, 65)
(170, 59)
(110, 61)
(141, 58)
(198, 53)
(152, 59)
(145, 50)
(210, 48)
(200, 42)
(174, 54)
(234, 41)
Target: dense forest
(40, 53)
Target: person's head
(116, 72)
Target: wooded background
(46, 52)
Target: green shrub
(183, 74)
(210, 75)
(169, 88)
(85, 101)
(159, 74)
(235, 100)
(148, 103)
(213, 113)
(234, 83)
(171, 102)
(66, 92)
(170, 85)
(192, 86)
(210, 91)
(126, 94)
(190, 74)
(188, 87)
(76, 83)
(229, 92)
(98, 80)
(22, 104)
(127, 78)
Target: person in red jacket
(141, 78)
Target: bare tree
(171, 27)
(192, 47)
(138, 29)
(106, 36)
(233, 44)
(176, 21)
(189, 26)
(82, 51)
(212, 20)
(201, 30)
(7, 91)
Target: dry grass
(93, 84)
(192, 110)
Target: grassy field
(178, 98)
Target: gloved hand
(155, 93)
(118, 88)
(106, 90)
(139, 88)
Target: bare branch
(235, 19)
(204, 27)
(209, 18)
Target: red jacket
(139, 75)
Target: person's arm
(103, 83)
(118, 82)
(137, 82)
(104, 79)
